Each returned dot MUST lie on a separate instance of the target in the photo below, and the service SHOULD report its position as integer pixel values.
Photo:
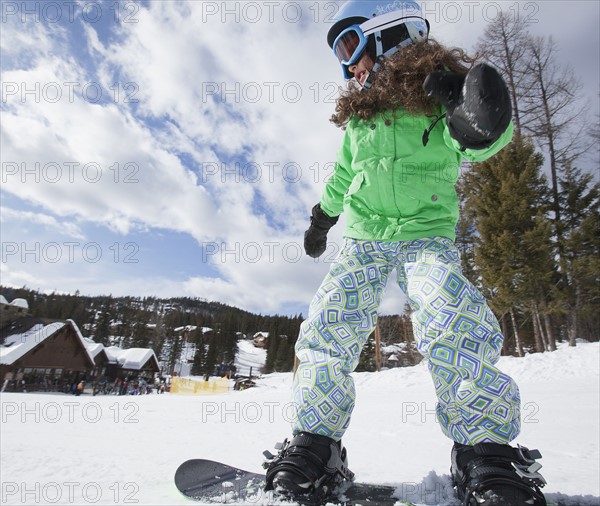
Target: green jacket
(390, 186)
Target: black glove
(478, 107)
(315, 238)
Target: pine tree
(211, 358)
(199, 363)
(367, 357)
(140, 331)
(102, 330)
(508, 197)
(580, 203)
(281, 360)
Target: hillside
(161, 324)
(394, 438)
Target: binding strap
(489, 464)
(296, 456)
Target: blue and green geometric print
(453, 328)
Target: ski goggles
(349, 46)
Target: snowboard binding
(490, 474)
(308, 468)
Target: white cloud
(65, 228)
(95, 162)
(19, 278)
(211, 91)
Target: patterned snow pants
(453, 328)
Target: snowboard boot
(490, 474)
(307, 468)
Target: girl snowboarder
(412, 113)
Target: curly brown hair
(398, 84)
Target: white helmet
(380, 27)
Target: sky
(171, 148)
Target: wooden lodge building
(50, 355)
(131, 363)
(42, 354)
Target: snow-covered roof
(92, 347)
(20, 303)
(133, 358)
(16, 345)
(191, 328)
(188, 328)
(393, 348)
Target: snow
(3, 300)
(133, 358)
(188, 328)
(22, 303)
(188, 351)
(249, 356)
(62, 449)
(92, 347)
(393, 348)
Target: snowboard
(213, 482)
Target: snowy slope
(60, 449)
(249, 356)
